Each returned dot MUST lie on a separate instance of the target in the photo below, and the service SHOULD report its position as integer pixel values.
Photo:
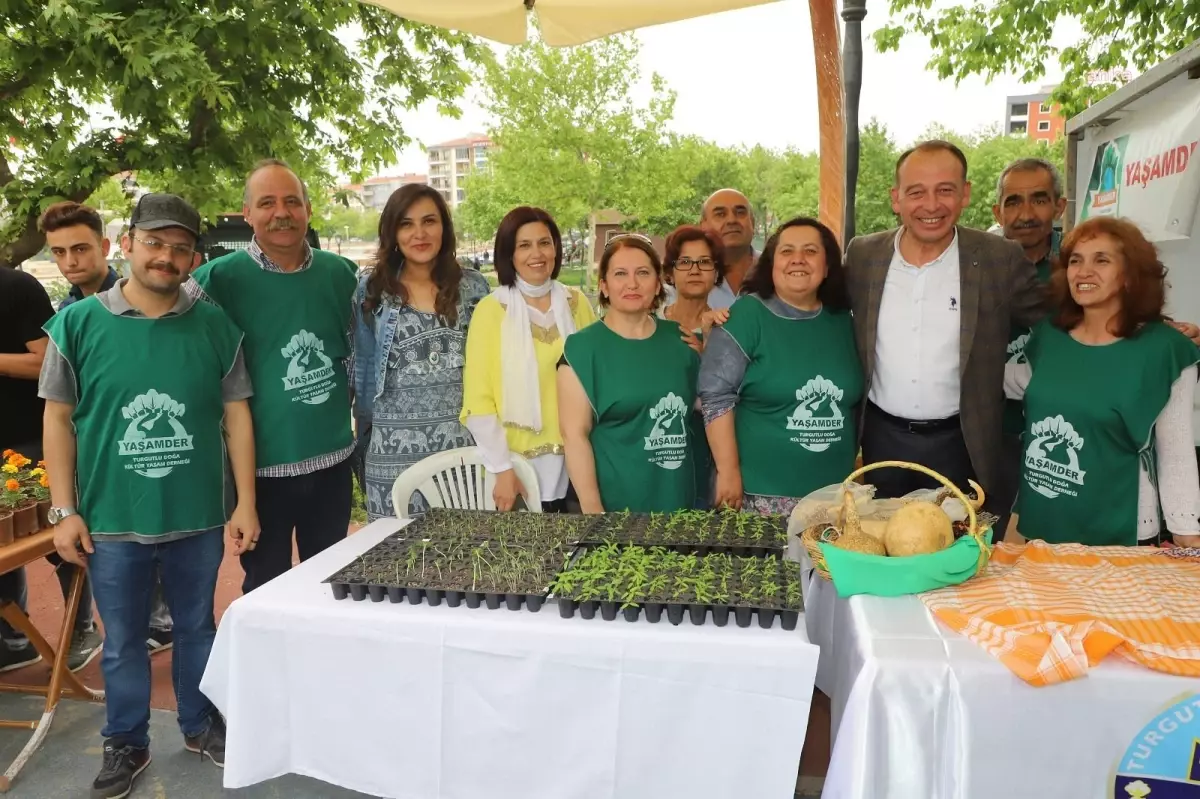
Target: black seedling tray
(453, 597)
(677, 612)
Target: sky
(760, 60)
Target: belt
(919, 426)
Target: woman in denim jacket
(410, 320)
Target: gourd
(917, 528)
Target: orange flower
(12, 485)
(18, 460)
(45, 480)
(41, 464)
(8, 452)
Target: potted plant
(39, 487)
(16, 469)
(10, 498)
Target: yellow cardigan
(482, 377)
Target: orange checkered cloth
(1050, 613)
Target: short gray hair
(1030, 165)
(265, 164)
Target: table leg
(59, 674)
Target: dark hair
(631, 241)
(69, 214)
(685, 233)
(1144, 291)
(831, 292)
(385, 275)
(932, 146)
(506, 241)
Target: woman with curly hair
(1108, 388)
(411, 314)
(626, 388)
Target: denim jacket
(375, 332)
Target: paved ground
(68, 761)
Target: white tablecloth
(454, 703)
(920, 712)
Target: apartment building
(450, 162)
(1034, 115)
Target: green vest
(296, 343)
(1090, 414)
(795, 419)
(1014, 415)
(642, 393)
(150, 456)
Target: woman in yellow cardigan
(510, 399)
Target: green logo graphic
(1104, 188)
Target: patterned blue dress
(417, 413)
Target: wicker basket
(825, 533)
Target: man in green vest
(1029, 200)
(294, 304)
(146, 392)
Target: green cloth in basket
(856, 573)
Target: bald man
(727, 214)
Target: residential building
(373, 194)
(450, 162)
(1035, 116)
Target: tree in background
(569, 137)
(994, 37)
(189, 95)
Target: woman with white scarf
(510, 398)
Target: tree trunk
(27, 245)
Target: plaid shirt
(321, 461)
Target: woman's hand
(508, 486)
(729, 490)
(1191, 331)
(713, 316)
(690, 339)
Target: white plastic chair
(456, 479)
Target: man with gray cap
(146, 390)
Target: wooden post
(831, 209)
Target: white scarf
(521, 404)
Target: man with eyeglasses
(146, 390)
(295, 304)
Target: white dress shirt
(917, 339)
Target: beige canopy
(569, 22)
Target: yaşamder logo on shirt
(1052, 458)
(154, 439)
(667, 441)
(1016, 348)
(818, 419)
(309, 370)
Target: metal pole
(853, 12)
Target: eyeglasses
(176, 250)
(686, 264)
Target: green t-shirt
(296, 349)
(1089, 422)
(1014, 414)
(795, 419)
(642, 393)
(150, 455)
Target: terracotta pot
(25, 520)
(6, 527)
(43, 508)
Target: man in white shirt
(933, 305)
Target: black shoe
(210, 743)
(122, 765)
(12, 659)
(85, 645)
(160, 641)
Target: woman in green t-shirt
(780, 380)
(1108, 389)
(626, 388)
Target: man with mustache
(1029, 200)
(145, 393)
(75, 236)
(727, 214)
(294, 303)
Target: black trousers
(885, 438)
(1003, 496)
(316, 506)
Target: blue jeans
(123, 576)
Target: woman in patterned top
(411, 316)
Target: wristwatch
(56, 515)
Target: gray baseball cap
(157, 211)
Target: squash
(918, 528)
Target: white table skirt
(454, 703)
(919, 712)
